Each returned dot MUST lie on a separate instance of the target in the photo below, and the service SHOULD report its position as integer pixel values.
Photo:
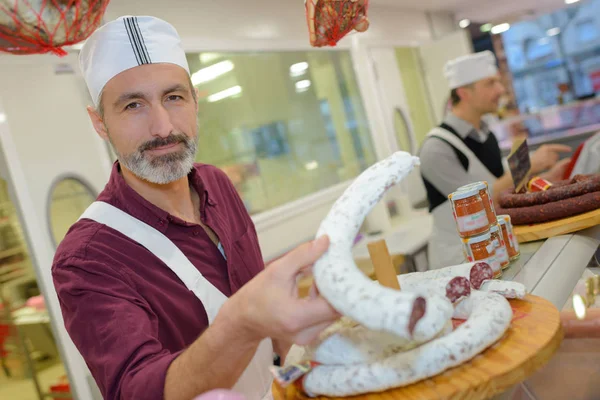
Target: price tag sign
(520, 165)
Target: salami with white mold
(346, 288)
(489, 319)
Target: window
(587, 31)
(281, 125)
(538, 49)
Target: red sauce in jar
(482, 248)
(469, 212)
(484, 192)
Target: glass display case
(570, 124)
(30, 364)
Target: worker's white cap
(471, 68)
(125, 43)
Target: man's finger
(313, 311)
(310, 334)
(559, 148)
(304, 255)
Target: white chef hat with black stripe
(125, 43)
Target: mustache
(159, 142)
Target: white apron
(445, 247)
(255, 382)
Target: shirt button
(196, 233)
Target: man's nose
(161, 124)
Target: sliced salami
(476, 273)
(480, 273)
(458, 288)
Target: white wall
(47, 134)
(269, 23)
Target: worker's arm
(266, 307)
(545, 163)
(116, 331)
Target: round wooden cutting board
(530, 233)
(534, 336)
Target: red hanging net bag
(45, 26)
(330, 20)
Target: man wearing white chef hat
(463, 150)
(161, 281)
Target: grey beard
(162, 169)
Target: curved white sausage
(347, 289)
(490, 318)
(344, 344)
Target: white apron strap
(163, 248)
(255, 382)
(449, 137)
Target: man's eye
(175, 97)
(132, 106)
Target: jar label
(472, 222)
(502, 254)
(514, 243)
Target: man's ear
(98, 123)
(462, 92)
(197, 98)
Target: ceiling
(477, 10)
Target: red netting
(330, 20)
(45, 26)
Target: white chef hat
(471, 68)
(125, 43)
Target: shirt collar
(465, 129)
(124, 197)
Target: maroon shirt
(128, 314)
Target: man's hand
(557, 172)
(547, 156)
(269, 306)
(266, 307)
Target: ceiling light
(500, 28)
(571, 1)
(464, 23)
(207, 58)
(302, 86)
(486, 28)
(212, 72)
(553, 31)
(232, 91)
(311, 165)
(2, 117)
(298, 69)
